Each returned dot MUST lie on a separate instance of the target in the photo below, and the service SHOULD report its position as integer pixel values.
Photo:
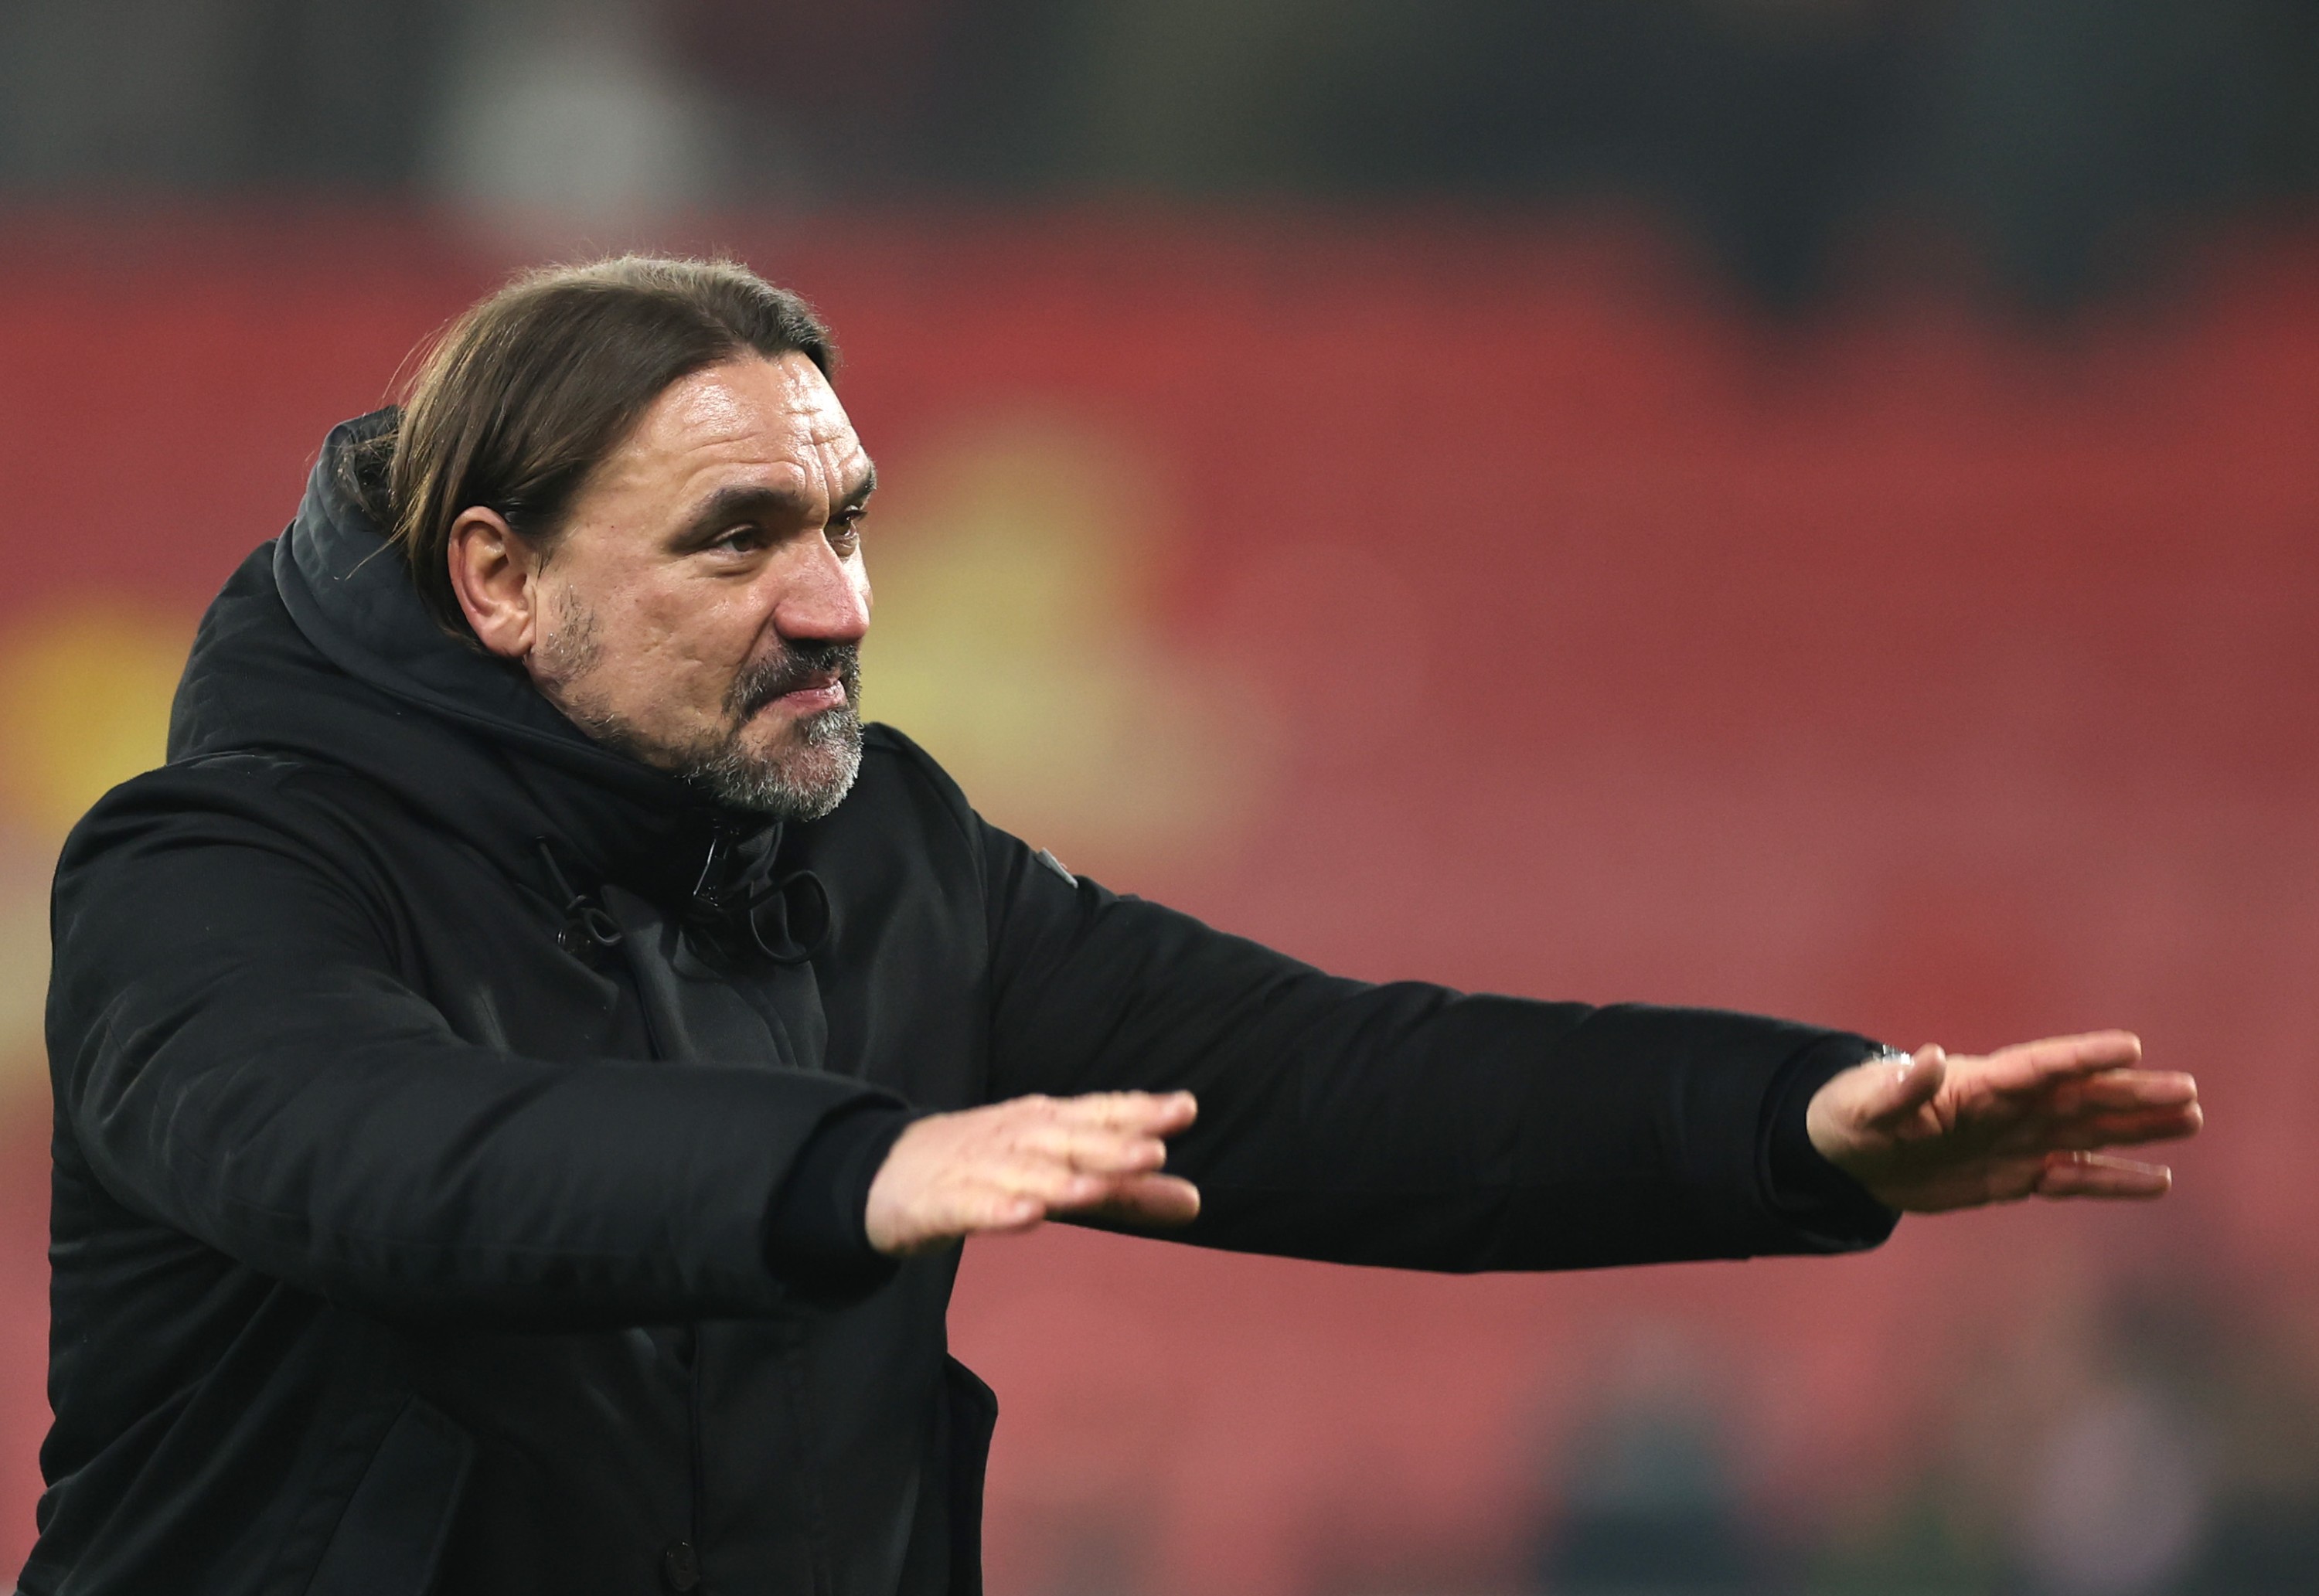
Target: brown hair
(524, 395)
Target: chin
(801, 774)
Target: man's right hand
(1013, 1164)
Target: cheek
(689, 644)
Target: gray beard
(804, 780)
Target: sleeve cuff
(816, 1226)
(1801, 1186)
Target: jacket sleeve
(236, 1057)
(1409, 1125)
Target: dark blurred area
(2053, 149)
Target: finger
(1049, 1184)
(2124, 1088)
(2028, 1065)
(990, 1213)
(2097, 1175)
(1112, 1154)
(1152, 1199)
(986, 1210)
(1098, 1150)
(1082, 1194)
(2123, 1130)
(1122, 1110)
(2102, 1128)
(1909, 1087)
(1149, 1112)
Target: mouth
(823, 691)
(799, 683)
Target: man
(522, 1066)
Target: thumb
(1909, 1086)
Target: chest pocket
(697, 1010)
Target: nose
(822, 598)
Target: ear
(492, 571)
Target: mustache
(794, 667)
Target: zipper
(720, 844)
(699, 1461)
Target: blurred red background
(1492, 605)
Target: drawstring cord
(787, 919)
(588, 925)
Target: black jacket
(461, 1132)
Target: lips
(803, 678)
(828, 693)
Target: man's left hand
(1932, 1132)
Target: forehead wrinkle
(785, 479)
(724, 428)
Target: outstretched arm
(1924, 1134)
(1933, 1133)
(1403, 1124)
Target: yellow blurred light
(1015, 638)
(85, 694)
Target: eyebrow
(719, 511)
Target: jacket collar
(459, 735)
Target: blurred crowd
(2153, 1451)
(2054, 149)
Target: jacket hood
(319, 647)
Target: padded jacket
(462, 1131)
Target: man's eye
(846, 531)
(741, 540)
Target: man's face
(703, 606)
